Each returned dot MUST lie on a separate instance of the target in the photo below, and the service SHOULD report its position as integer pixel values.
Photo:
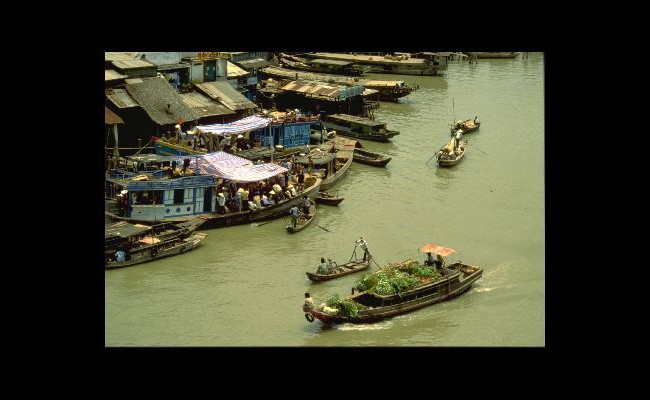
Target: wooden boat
(458, 280)
(303, 220)
(326, 66)
(388, 90)
(341, 270)
(387, 64)
(370, 158)
(328, 199)
(143, 243)
(467, 126)
(332, 166)
(447, 156)
(486, 54)
(359, 127)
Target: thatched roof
(154, 95)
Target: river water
(244, 285)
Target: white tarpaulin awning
(243, 125)
(231, 167)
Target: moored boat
(328, 199)
(359, 127)
(331, 166)
(340, 270)
(488, 54)
(370, 158)
(141, 243)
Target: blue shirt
(294, 211)
(120, 255)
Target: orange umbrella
(435, 249)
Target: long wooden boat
(304, 220)
(370, 158)
(467, 126)
(341, 270)
(458, 280)
(281, 209)
(359, 127)
(448, 157)
(156, 250)
(486, 54)
(332, 165)
(143, 243)
(328, 199)
(326, 66)
(387, 64)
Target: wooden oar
(262, 224)
(432, 156)
(322, 228)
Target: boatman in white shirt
(364, 246)
(459, 135)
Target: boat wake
(366, 327)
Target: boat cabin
(149, 198)
(324, 162)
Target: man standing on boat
(294, 215)
(305, 204)
(364, 246)
(459, 135)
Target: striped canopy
(228, 166)
(243, 125)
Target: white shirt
(459, 134)
(362, 243)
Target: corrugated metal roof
(314, 88)
(166, 67)
(234, 71)
(254, 63)
(130, 64)
(121, 98)
(324, 90)
(225, 94)
(119, 55)
(204, 106)
(110, 75)
(154, 94)
(111, 118)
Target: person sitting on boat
(305, 204)
(294, 215)
(429, 260)
(309, 302)
(459, 124)
(322, 267)
(476, 120)
(439, 263)
(120, 256)
(266, 202)
(364, 246)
